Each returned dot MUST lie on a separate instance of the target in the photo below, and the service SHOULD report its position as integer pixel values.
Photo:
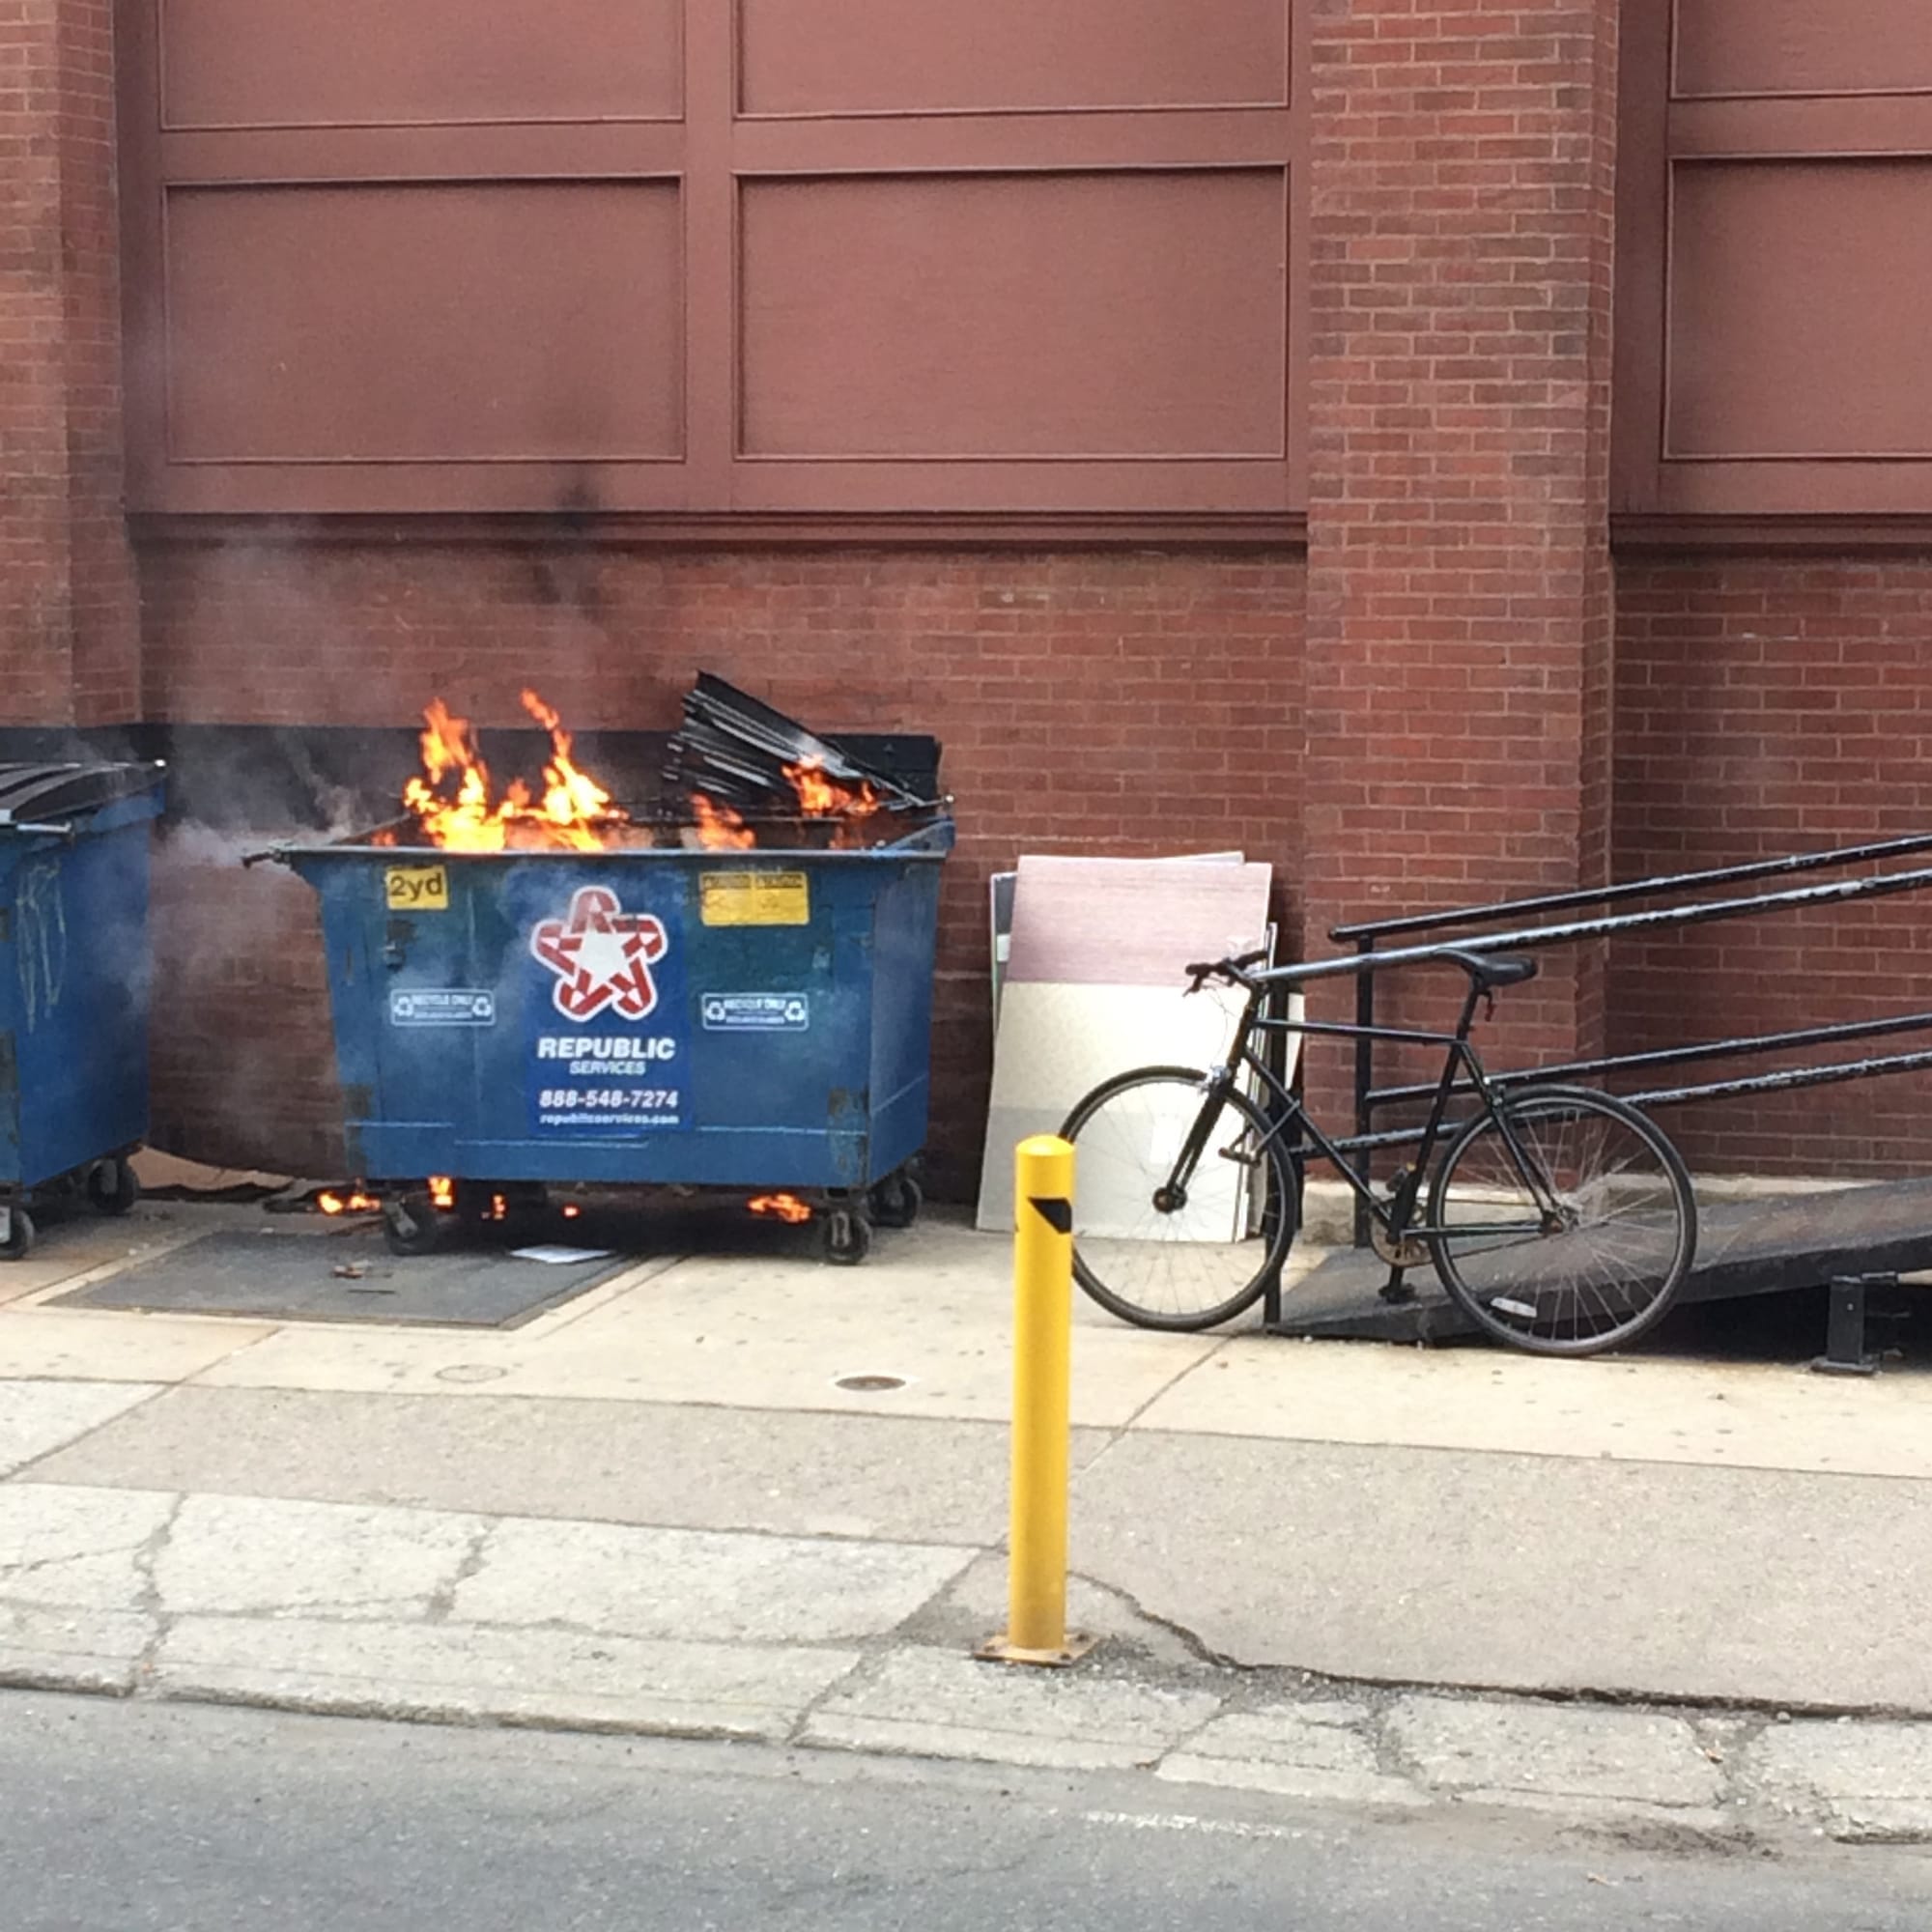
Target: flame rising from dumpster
(456, 808)
(719, 828)
(823, 797)
(454, 804)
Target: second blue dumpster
(73, 984)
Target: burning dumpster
(73, 986)
(536, 989)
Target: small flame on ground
(719, 828)
(823, 797)
(571, 1210)
(498, 1208)
(441, 1192)
(356, 1202)
(783, 1206)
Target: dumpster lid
(46, 791)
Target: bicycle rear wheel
(1159, 1259)
(1581, 1250)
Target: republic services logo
(601, 955)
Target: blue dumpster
(73, 984)
(756, 1020)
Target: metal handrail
(1664, 882)
(1668, 1056)
(1367, 958)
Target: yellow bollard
(1036, 1630)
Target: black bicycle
(1559, 1219)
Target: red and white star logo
(601, 955)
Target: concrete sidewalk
(655, 1506)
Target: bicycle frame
(1395, 1213)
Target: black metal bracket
(1845, 1328)
(1395, 1288)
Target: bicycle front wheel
(1573, 1239)
(1163, 1256)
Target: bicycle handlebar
(1234, 970)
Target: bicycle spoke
(1610, 1213)
(1157, 1246)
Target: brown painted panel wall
(375, 63)
(1773, 161)
(1802, 47)
(1136, 314)
(940, 56)
(471, 322)
(427, 257)
(1800, 293)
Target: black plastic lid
(40, 792)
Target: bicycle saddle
(1489, 970)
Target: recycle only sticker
(756, 1012)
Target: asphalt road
(118, 1816)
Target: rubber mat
(346, 1276)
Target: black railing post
(1365, 1081)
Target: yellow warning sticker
(754, 899)
(418, 888)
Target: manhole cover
(868, 1384)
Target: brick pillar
(68, 612)
(1458, 582)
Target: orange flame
(785, 1207)
(353, 1203)
(822, 797)
(441, 1192)
(719, 828)
(574, 805)
(453, 804)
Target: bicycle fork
(1171, 1197)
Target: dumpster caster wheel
(848, 1236)
(410, 1225)
(897, 1200)
(112, 1188)
(19, 1239)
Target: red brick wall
(1458, 597)
(69, 641)
(1766, 706)
(241, 1063)
(102, 598)
(36, 633)
(1088, 701)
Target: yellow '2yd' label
(418, 888)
